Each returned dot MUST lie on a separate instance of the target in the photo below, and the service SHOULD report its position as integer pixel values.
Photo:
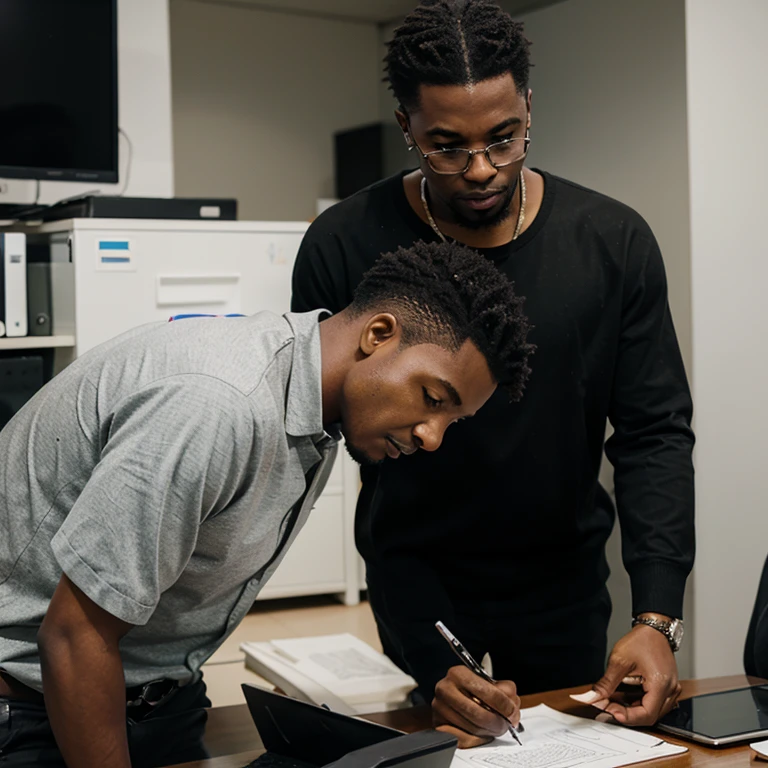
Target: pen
(468, 661)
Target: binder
(13, 283)
(39, 308)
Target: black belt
(140, 700)
(143, 699)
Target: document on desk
(556, 740)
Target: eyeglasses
(498, 154)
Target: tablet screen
(718, 715)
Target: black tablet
(721, 718)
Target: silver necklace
(433, 224)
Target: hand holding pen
(468, 701)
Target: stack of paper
(555, 740)
(340, 671)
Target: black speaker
(367, 154)
(20, 378)
(39, 309)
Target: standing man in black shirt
(502, 534)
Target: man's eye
(430, 401)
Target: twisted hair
(455, 42)
(445, 294)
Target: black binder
(39, 309)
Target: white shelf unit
(110, 275)
(37, 342)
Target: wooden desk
(232, 735)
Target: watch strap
(665, 627)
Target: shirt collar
(304, 402)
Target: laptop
(297, 734)
(721, 718)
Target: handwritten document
(555, 740)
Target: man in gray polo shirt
(150, 490)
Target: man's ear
(379, 330)
(528, 101)
(402, 121)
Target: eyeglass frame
(472, 152)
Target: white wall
(144, 93)
(257, 96)
(727, 60)
(609, 112)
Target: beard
(484, 219)
(360, 456)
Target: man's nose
(429, 434)
(480, 169)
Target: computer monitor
(58, 102)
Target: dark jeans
(556, 648)
(172, 733)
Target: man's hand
(470, 708)
(643, 653)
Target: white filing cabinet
(110, 275)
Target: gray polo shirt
(165, 472)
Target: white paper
(761, 747)
(555, 740)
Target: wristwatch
(672, 630)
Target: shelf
(36, 342)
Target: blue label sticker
(113, 245)
(115, 255)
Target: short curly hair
(446, 293)
(455, 42)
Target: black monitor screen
(58, 100)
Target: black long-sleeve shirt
(510, 506)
